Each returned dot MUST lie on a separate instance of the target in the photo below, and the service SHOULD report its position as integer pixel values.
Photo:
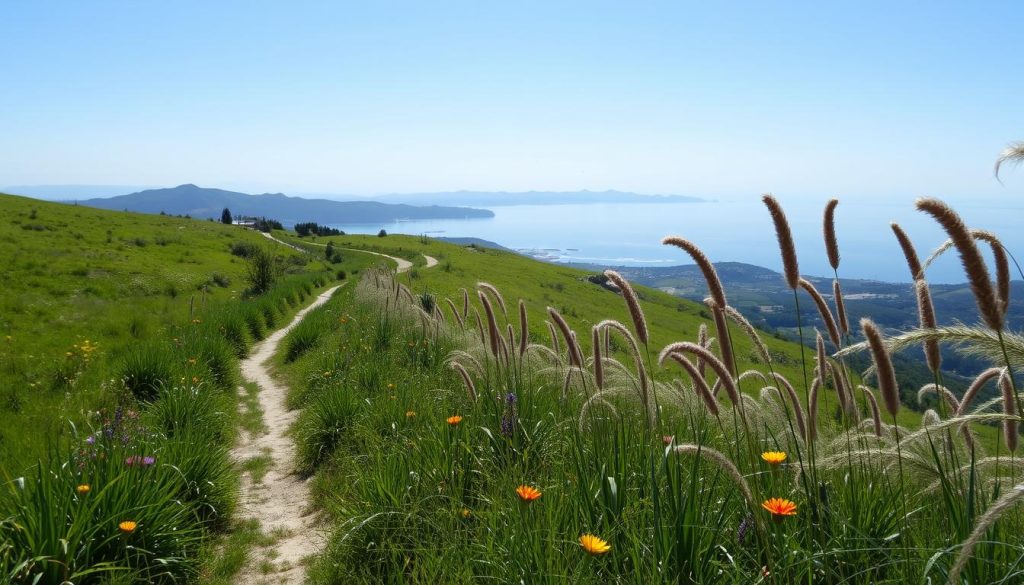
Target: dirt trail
(280, 501)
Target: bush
(322, 426)
(340, 275)
(146, 369)
(243, 249)
(261, 272)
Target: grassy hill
(80, 286)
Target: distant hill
(204, 202)
(763, 297)
(502, 199)
(72, 192)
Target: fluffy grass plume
(970, 257)
(790, 268)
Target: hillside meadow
(488, 418)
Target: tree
(225, 216)
(381, 234)
(1014, 154)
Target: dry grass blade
(1013, 154)
(786, 247)
(837, 296)
(632, 304)
(916, 270)
(455, 312)
(926, 317)
(970, 257)
(987, 519)
(883, 366)
(595, 334)
(747, 328)
(493, 291)
(794, 399)
(829, 229)
(466, 380)
(876, 416)
(575, 357)
(823, 310)
(942, 392)
(1010, 424)
(724, 463)
(971, 341)
(976, 386)
(700, 385)
(706, 267)
(524, 328)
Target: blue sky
(866, 99)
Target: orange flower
(454, 420)
(465, 513)
(773, 458)
(127, 527)
(780, 508)
(594, 545)
(528, 493)
(410, 414)
(83, 489)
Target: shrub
(261, 272)
(146, 369)
(322, 426)
(243, 249)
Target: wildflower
(744, 528)
(780, 508)
(508, 416)
(391, 386)
(90, 440)
(192, 361)
(668, 439)
(594, 545)
(83, 489)
(454, 420)
(147, 461)
(465, 513)
(773, 458)
(195, 379)
(410, 414)
(528, 493)
(127, 527)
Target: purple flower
(147, 460)
(508, 417)
(90, 440)
(745, 525)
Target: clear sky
(862, 99)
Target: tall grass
(418, 462)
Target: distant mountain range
(503, 199)
(447, 198)
(203, 202)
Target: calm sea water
(737, 230)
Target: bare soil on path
(280, 500)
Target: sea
(728, 230)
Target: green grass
(119, 368)
(414, 499)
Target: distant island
(209, 203)
(505, 199)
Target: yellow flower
(780, 508)
(127, 527)
(410, 414)
(465, 513)
(454, 420)
(773, 458)
(594, 545)
(192, 361)
(83, 489)
(528, 493)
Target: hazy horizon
(808, 101)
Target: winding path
(403, 265)
(280, 501)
